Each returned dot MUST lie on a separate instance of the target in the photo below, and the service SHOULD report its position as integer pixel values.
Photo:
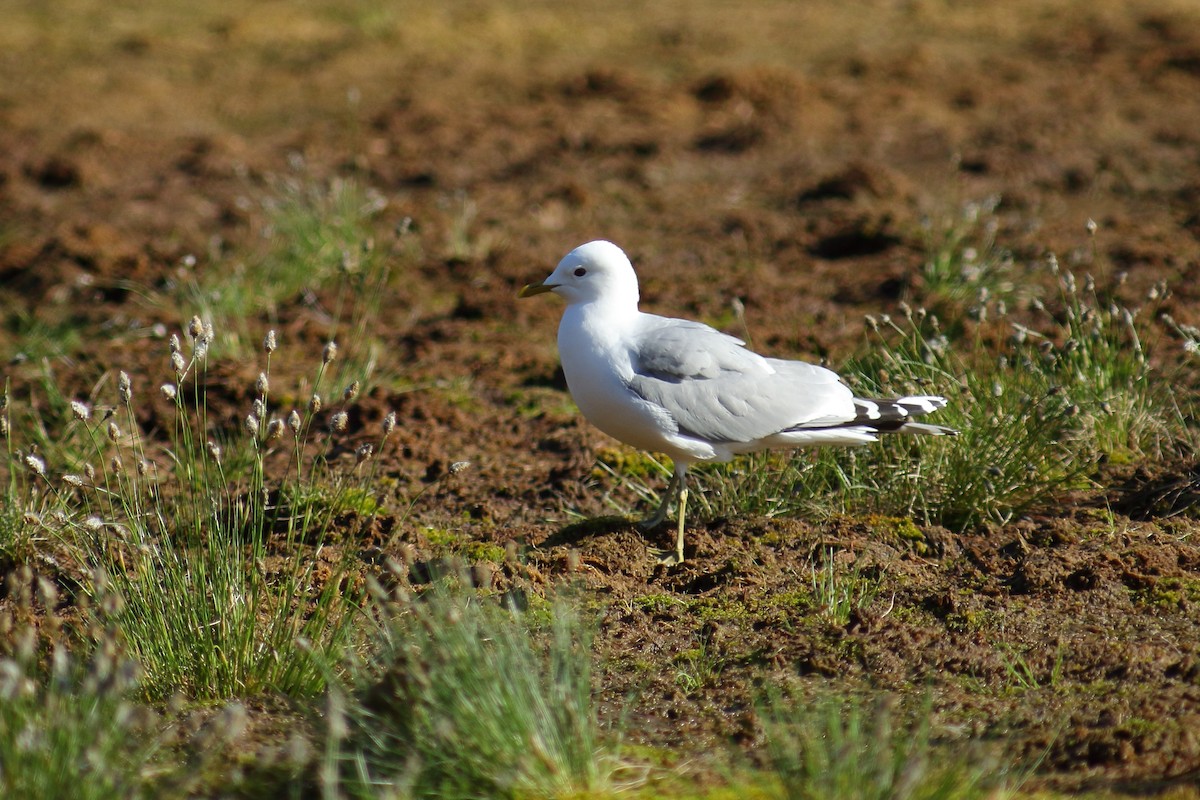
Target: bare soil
(781, 156)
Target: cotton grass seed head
(293, 422)
(114, 431)
(269, 343)
(364, 451)
(200, 352)
(74, 481)
(124, 387)
(36, 465)
(80, 410)
(178, 364)
(330, 353)
(214, 451)
(314, 404)
(260, 408)
(196, 328)
(351, 392)
(173, 343)
(389, 424)
(274, 429)
(339, 422)
(263, 384)
(168, 390)
(251, 424)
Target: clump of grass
(1021, 675)
(1021, 434)
(1037, 410)
(1097, 349)
(69, 723)
(320, 234)
(18, 518)
(464, 239)
(464, 697)
(31, 338)
(1038, 402)
(766, 483)
(835, 749)
(191, 535)
(699, 666)
(207, 610)
(838, 593)
(962, 256)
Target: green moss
(1121, 457)
(900, 530)
(796, 600)
(657, 603)
(1140, 727)
(775, 538)
(359, 501)
(1169, 593)
(484, 551)
(440, 538)
(321, 500)
(718, 609)
(970, 621)
(912, 615)
(449, 542)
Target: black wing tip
(897, 415)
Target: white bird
(685, 389)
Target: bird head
(594, 272)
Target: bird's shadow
(576, 532)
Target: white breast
(598, 369)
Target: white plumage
(685, 389)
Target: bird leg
(654, 520)
(677, 556)
(677, 488)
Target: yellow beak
(537, 288)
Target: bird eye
(580, 272)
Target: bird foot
(668, 558)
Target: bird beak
(537, 288)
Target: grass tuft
(464, 697)
(835, 749)
(1041, 398)
(212, 541)
(69, 723)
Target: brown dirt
(784, 157)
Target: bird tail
(897, 416)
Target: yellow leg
(683, 496)
(656, 519)
(679, 485)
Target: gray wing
(718, 391)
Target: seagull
(685, 389)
